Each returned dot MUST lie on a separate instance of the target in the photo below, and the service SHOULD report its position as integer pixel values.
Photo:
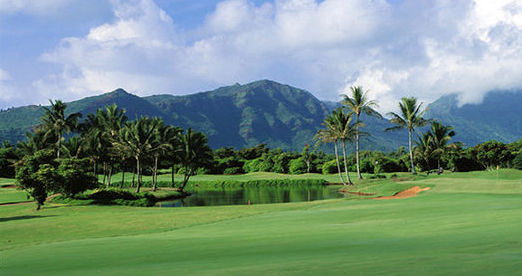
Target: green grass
(166, 177)
(467, 224)
(12, 195)
(6, 181)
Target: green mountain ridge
(262, 112)
(498, 117)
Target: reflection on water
(255, 195)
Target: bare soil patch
(413, 191)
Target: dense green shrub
(517, 161)
(297, 166)
(37, 175)
(258, 165)
(8, 157)
(386, 164)
(233, 170)
(492, 153)
(75, 176)
(366, 166)
(329, 167)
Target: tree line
(431, 147)
(66, 154)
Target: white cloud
(422, 48)
(39, 7)
(6, 92)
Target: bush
(233, 170)
(517, 161)
(330, 167)
(366, 166)
(386, 164)
(37, 175)
(75, 176)
(257, 165)
(297, 166)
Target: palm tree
(359, 103)
(34, 142)
(93, 147)
(424, 148)
(441, 135)
(328, 135)
(173, 137)
(345, 132)
(56, 123)
(113, 119)
(136, 138)
(338, 130)
(159, 146)
(73, 148)
(195, 153)
(101, 131)
(410, 117)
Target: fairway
(467, 223)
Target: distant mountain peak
(119, 91)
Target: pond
(255, 195)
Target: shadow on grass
(23, 217)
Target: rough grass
(467, 224)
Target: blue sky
(69, 49)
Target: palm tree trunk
(109, 174)
(139, 175)
(188, 172)
(338, 165)
(411, 154)
(172, 176)
(59, 146)
(133, 177)
(346, 164)
(154, 174)
(357, 147)
(122, 178)
(104, 172)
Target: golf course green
(466, 224)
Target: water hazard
(255, 195)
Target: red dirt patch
(413, 191)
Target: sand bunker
(413, 191)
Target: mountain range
(280, 116)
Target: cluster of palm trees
(107, 138)
(433, 143)
(340, 129)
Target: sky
(70, 49)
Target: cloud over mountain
(410, 47)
